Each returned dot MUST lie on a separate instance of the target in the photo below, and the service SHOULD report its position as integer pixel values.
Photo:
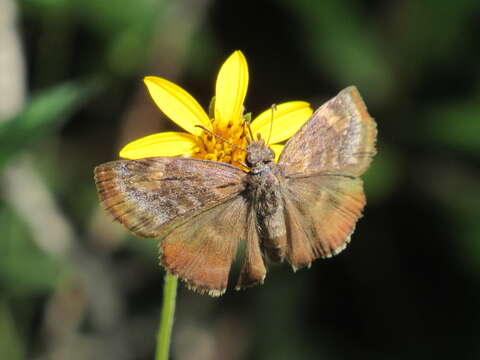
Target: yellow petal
(287, 119)
(160, 144)
(177, 104)
(230, 90)
(277, 149)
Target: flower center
(225, 144)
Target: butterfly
(302, 208)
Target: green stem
(166, 319)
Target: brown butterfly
(303, 208)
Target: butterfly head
(259, 156)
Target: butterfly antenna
(220, 137)
(273, 108)
(250, 133)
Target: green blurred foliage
(25, 269)
(456, 125)
(41, 118)
(384, 175)
(340, 38)
(11, 345)
(125, 28)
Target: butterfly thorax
(262, 181)
(263, 191)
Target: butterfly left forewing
(194, 207)
(147, 195)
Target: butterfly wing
(147, 195)
(320, 214)
(321, 163)
(253, 269)
(339, 138)
(201, 250)
(192, 206)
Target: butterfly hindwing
(253, 269)
(201, 251)
(321, 213)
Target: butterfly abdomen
(267, 201)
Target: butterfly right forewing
(339, 138)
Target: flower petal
(287, 119)
(160, 144)
(277, 149)
(177, 104)
(230, 90)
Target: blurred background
(73, 285)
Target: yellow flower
(221, 135)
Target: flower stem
(166, 319)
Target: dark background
(75, 286)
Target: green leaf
(11, 345)
(41, 117)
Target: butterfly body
(302, 208)
(264, 194)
